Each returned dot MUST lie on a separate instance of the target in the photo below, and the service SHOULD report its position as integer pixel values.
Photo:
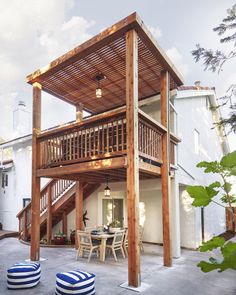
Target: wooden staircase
(58, 196)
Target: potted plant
(59, 238)
(114, 226)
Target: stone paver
(183, 278)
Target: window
(196, 141)
(112, 209)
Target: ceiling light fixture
(107, 191)
(99, 77)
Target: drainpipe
(202, 224)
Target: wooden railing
(150, 136)
(57, 188)
(100, 137)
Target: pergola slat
(71, 76)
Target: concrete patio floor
(183, 278)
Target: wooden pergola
(135, 68)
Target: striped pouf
(23, 275)
(75, 282)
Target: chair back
(84, 238)
(126, 237)
(118, 238)
(141, 230)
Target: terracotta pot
(59, 240)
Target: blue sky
(32, 33)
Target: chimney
(21, 120)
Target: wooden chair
(117, 243)
(125, 242)
(90, 228)
(85, 244)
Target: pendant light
(98, 78)
(107, 191)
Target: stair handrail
(58, 186)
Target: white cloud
(32, 34)
(156, 32)
(69, 34)
(177, 59)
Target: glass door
(112, 209)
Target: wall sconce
(107, 191)
(98, 78)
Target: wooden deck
(92, 149)
(119, 140)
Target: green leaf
(215, 184)
(207, 266)
(228, 251)
(229, 160)
(202, 195)
(227, 187)
(210, 166)
(212, 244)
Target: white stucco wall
(19, 186)
(7, 215)
(150, 195)
(193, 113)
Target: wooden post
(25, 231)
(132, 158)
(79, 112)
(165, 178)
(79, 197)
(64, 223)
(49, 215)
(35, 220)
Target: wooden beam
(64, 223)
(49, 215)
(35, 219)
(79, 196)
(157, 51)
(110, 163)
(149, 168)
(165, 169)
(132, 158)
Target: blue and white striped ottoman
(23, 275)
(75, 282)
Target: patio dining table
(102, 236)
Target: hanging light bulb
(98, 78)
(107, 191)
(98, 91)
